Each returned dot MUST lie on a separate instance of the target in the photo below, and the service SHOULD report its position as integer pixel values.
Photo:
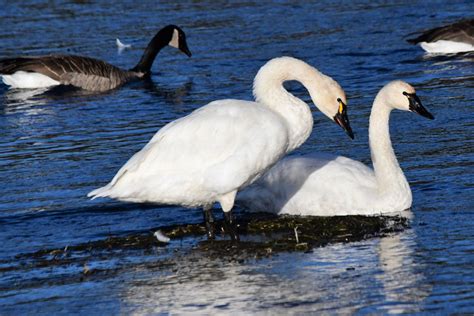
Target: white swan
(327, 185)
(209, 155)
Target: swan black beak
(342, 119)
(416, 106)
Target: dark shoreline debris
(262, 236)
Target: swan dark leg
(230, 225)
(210, 222)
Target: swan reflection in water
(372, 275)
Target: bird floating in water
(449, 39)
(85, 72)
(330, 185)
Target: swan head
(176, 38)
(331, 100)
(402, 96)
(325, 92)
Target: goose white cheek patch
(175, 39)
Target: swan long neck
(159, 41)
(389, 175)
(268, 89)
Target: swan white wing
(214, 150)
(316, 184)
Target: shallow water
(57, 146)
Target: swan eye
(405, 93)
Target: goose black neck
(161, 39)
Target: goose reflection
(29, 100)
(174, 96)
(34, 101)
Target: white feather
(122, 46)
(161, 237)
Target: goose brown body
(85, 72)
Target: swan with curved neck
(85, 72)
(210, 154)
(327, 185)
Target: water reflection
(23, 99)
(28, 101)
(404, 286)
(289, 281)
(172, 95)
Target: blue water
(57, 146)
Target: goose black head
(177, 38)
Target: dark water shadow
(172, 95)
(465, 56)
(83, 211)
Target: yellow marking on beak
(341, 107)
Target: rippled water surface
(58, 145)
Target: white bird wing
(224, 145)
(307, 183)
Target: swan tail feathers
(100, 192)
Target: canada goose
(85, 72)
(330, 185)
(449, 39)
(210, 154)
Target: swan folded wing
(83, 72)
(217, 148)
(301, 185)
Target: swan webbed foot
(230, 225)
(210, 223)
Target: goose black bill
(183, 46)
